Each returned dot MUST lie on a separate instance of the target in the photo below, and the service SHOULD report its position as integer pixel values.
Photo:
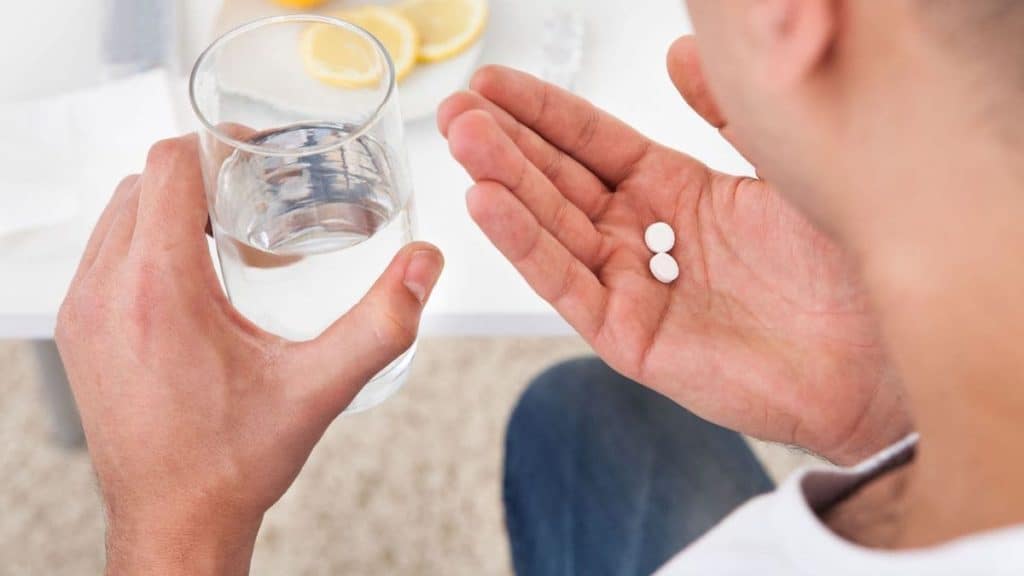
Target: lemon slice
(300, 4)
(344, 58)
(446, 27)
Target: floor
(409, 488)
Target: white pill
(664, 268)
(660, 237)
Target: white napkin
(39, 163)
(56, 149)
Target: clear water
(301, 239)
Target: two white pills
(660, 238)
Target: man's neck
(948, 282)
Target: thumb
(374, 332)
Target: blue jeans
(606, 477)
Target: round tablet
(664, 268)
(660, 237)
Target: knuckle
(485, 77)
(141, 294)
(145, 279)
(569, 280)
(553, 167)
(530, 247)
(561, 214)
(524, 171)
(66, 320)
(463, 101)
(393, 333)
(166, 153)
(469, 100)
(545, 101)
(80, 312)
(127, 182)
(588, 129)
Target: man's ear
(793, 37)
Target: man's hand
(196, 420)
(766, 331)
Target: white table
(480, 293)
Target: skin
(850, 108)
(866, 285)
(822, 304)
(767, 330)
(196, 420)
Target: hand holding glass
(307, 183)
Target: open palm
(766, 330)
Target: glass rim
(237, 31)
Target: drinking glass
(306, 181)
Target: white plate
(420, 92)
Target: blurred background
(412, 487)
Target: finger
(119, 239)
(555, 274)
(488, 154)
(687, 73)
(172, 205)
(599, 141)
(368, 337)
(106, 220)
(578, 184)
(217, 151)
(237, 131)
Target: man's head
(829, 97)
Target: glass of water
(307, 182)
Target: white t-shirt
(779, 533)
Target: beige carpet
(410, 488)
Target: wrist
(878, 433)
(169, 545)
(884, 420)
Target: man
(866, 287)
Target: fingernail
(422, 272)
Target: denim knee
(553, 412)
(558, 388)
(587, 389)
